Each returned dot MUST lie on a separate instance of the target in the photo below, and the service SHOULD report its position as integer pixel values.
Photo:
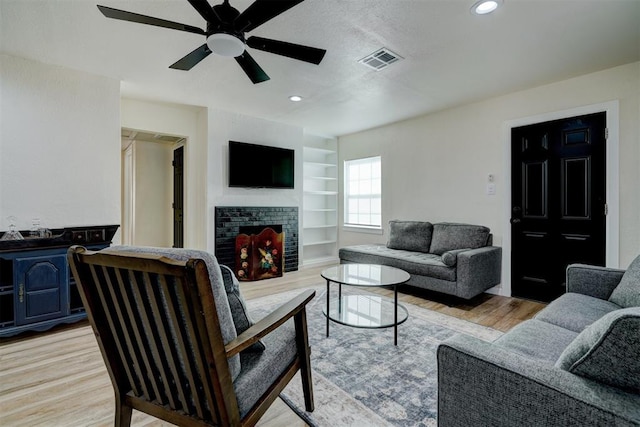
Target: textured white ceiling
(451, 56)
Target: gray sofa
(455, 259)
(577, 362)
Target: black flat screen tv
(260, 166)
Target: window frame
(363, 228)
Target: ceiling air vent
(380, 59)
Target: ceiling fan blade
(192, 59)
(291, 50)
(205, 10)
(251, 68)
(123, 15)
(260, 12)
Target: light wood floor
(58, 378)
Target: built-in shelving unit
(320, 206)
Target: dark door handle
(515, 220)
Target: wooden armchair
(161, 324)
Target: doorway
(148, 189)
(558, 202)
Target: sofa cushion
(538, 340)
(449, 236)
(241, 318)
(575, 311)
(627, 293)
(608, 351)
(410, 261)
(410, 235)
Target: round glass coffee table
(365, 311)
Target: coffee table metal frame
(331, 274)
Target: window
(363, 192)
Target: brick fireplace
(230, 219)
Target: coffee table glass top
(365, 275)
(365, 311)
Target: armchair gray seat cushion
(575, 363)
(261, 369)
(456, 259)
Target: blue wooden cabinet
(37, 290)
(43, 287)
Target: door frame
(612, 181)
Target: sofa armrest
(598, 282)
(482, 384)
(478, 270)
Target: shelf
(322, 178)
(320, 242)
(324, 151)
(312, 227)
(322, 193)
(320, 210)
(324, 165)
(320, 202)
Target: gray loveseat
(456, 259)
(576, 363)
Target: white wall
(189, 122)
(435, 166)
(59, 145)
(224, 127)
(153, 194)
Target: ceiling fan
(226, 28)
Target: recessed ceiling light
(483, 7)
(295, 98)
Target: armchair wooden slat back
(158, 331)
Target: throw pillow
(451, 236)
(607, 350)
(241, 318)
(627, 293)
(450, 258)
(410, 235)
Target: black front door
(557, 202)
(178, 197)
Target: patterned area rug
(360, 378)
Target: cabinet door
(42, 290)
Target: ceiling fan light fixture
(484, 7)
(225, 45)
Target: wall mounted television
(260, 166)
